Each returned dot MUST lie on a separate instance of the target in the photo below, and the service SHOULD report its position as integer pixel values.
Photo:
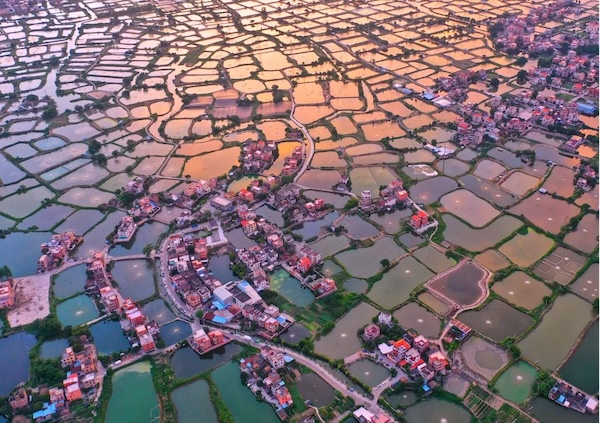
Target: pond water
(430, 190)
(148, 233)
(108, 337)
(413, 316)
(239, 399)
(469, 207)
(133, 396)
(192, 401)
(391, 222)
(492, 260)
(157, 310)
(488, 191)
(135, 278)
(219, 266)
(587, 284)
(238, 239)
(76, 311)
(358, 286)
(396, 285)
(290, 288)
(337, 200)
(212, 164)
(498, 321)
(330, 245)
(550, 412)
(17, 253)
(459, 233)
(546, 212)
(581, 369)
(186, 363)
(515, 383)
(70, 282)
(488, 169)
(273, 216)
(342, 340)
(435, 410)
(314, 389)
(433, 259)
(174, 332)
(522, 290)
(484, 357)
(369, 372)
(53, 349)
(520, 183)
(550, 342)
(312, 228)
(403, 399)
(452, 167)
(461, 284)
(330, 269)
(357, 227)
(365, 262)
(14, 366)
(370, 178)
(525, 250)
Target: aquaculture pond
(358, 286)
(369, 372)
(360, 263)
(397, 283)
(342, 340)
(497, 320)
(70, 282)
(550, 412)
(330, 245)
(192, 401)
(312, 228)
(273, 216)
(23, 258)
(403, 399)
(295, 334)
(552, 339)
(290, 288)
(435, 410)
(108, 337)
(157, 310)
(176, 331)
(76, 311)
(133, 396)
(186, 363)
(219, 266)
(14, 366)
(412, 315)
(238, 398)
(314, 389)
(581, 369)
(53, 349)
(516, 382)
(522, 290)
(464, 284)
(135, 278)
(145, 235)
(461, 234)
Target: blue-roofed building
(588, 109)
(428, 95)
(45, 413)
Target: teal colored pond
(76, 311)
(290, 288)
(133, 398)
(515, 383)
(581, 369)
(240, 401)
(192, 401)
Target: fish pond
(290, 288)
(186, 363)
(70, 282)
(581, 369)
(76, 311)
(435, 410)
(135, 278)
(314, 389)
(192, 401)
(498, 321)
(133, 396)
(462, 285)
(516, 382)
(369, 372)
(14, 366)
(108, 337)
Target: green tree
(351, 203)
(147, 250)
(384, 262)
(494, 82)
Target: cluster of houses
(146, 332)
(257, 155)
(517, 32)
(263, 378)
(577, 71)
(81, 380)
(203, 342)
(586, 177)
(145, 207)
(570, 397)
(57, 250)
(392, 196)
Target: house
(202, 340)
(7, 294)
(438, 361)
(371, 332)
(421, 343)
(146, 340)
(572, 144)
(18, 399)
(425, 371)
(274, 357)
(109, 298)
(72, 389)
(412, 356)
(362, 415)
(304, 264)
(68, 357)
(56, 394)
(384, 318)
